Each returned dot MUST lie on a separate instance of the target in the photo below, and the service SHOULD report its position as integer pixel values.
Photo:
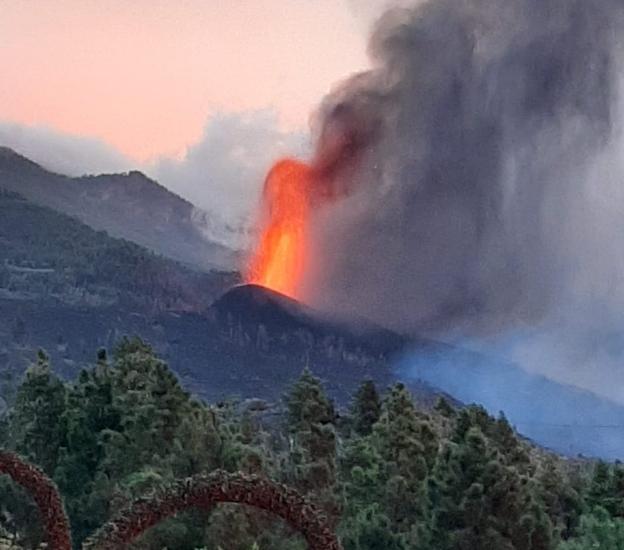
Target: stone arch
(206, 491)
(45, 494)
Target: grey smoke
(490, 194)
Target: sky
(144, 76)
(202, 95)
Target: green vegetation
(388, 473)
(48, 255)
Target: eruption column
(280, 257)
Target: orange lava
(280, 257)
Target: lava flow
(279, 260)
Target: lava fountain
(280, 257)
(293, 191)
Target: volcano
(271, 338)
(268, 314)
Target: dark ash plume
(483, 150)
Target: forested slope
(48, 255)
(389, 472)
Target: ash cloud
(489, 192)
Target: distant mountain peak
(127, 205)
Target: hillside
(215, 357)
(47, 256)
(70, 289)
(561, 417)
(129, 206)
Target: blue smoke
(557, 416)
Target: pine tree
(383, 475)
(312, 434)
(512, 450)
(562, 502)
(598, 530)
(371, 529)
(444, 408)
(36, 428)
(151, 405)
(617, 509)
(88, 415)
(366, 408)
(478, 500)
(363, 475)
(245, 446)
(154, 439)
(407, 445)
(606, 489)
(198, 443)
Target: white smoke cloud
(223, 173)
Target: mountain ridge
(47, 255)
(127, 205)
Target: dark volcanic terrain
(240, 347)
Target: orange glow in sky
(144, 75)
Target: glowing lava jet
(293, 190)
(279, 259)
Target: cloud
(224, 172)
(67, 154)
